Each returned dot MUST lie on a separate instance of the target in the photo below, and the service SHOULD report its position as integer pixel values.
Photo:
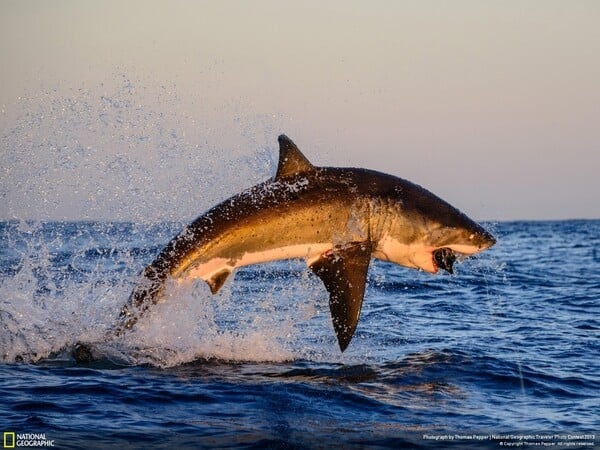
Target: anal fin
(344, 273)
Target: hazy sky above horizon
(494, 106)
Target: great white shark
(337, 219)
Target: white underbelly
(414, 255)
(207, 269)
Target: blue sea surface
(505, 353)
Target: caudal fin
(147, 292)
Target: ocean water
(506, 352)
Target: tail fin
(147, 292)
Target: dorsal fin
(291, 159)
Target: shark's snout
(456, 244)
(483, 240)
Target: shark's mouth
(444, 258)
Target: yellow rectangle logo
(9, 439)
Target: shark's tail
(146, 293)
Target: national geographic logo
(9, 439)
(22, 440)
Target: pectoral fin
(344, 274)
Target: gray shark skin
(337, 219)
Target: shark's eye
(444, 258)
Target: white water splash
(193, 324)
(68, 287)
(125, 150)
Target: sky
(157, 110)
